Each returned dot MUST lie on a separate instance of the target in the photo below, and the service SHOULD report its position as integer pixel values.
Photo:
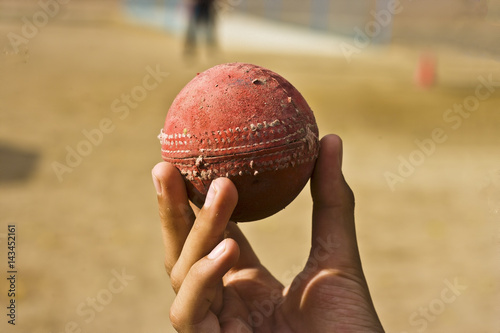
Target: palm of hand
(229, 291)
(317, 301)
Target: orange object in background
(425, 73)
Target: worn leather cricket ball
(246, 123)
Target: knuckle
(176, 318)
(350, 198)
(175, 279)
(168, 266)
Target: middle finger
(208, 228)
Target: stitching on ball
(248, 167)
(294, 155)
(254, 127)
(212, 173)
(164, 139)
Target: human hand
(221, 285)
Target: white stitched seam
(288, 157)
(165, 136)
(204, 150)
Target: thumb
(334, 244)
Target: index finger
(176, 215)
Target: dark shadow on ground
(16, 164)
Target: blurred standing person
(201, 17)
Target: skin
(221, 285)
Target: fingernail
(157, 184)
(219, 249)
(212, 192)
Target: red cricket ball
(246, 123)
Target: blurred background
(412, 87)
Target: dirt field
(76, 159)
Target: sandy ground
(81, 228)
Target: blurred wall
(75, 10)
(423, 22)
